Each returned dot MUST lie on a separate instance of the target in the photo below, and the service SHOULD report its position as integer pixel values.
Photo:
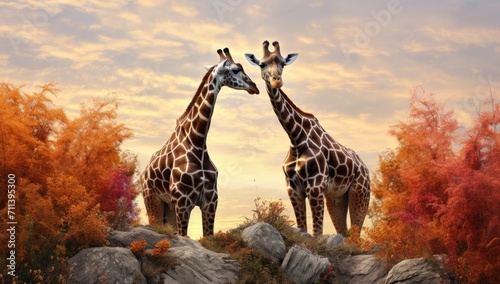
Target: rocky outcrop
(302, 266)
(334, 242)
(266, 239)
(419, 270)
(125, 238)
(199, 265)
(117, 264)
(105, 264)
(192, 263)
(360, 269)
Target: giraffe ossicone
(316, 167)
(181, 175)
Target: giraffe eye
(235, 71)
(262, 65)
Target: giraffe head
(272, 63)
(231, 74)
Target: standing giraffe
(316, 167)
(181, 175)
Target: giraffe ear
(208, 67)
(219, 68)
(252, 59)
(290, 58)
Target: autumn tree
(88, 148)
(28, 124)
(470, 223)
(438, 191)
(408, 186)
(72, 178)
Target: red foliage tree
(470, 221)
(430, 198)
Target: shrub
(270, 212)
(228, 242)
(258, 268)
(138, 247)
(162, 248)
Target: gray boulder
(302, 266)
(105, 264)
(334, 242)
(125, 238)
(195, 264)
(267, 239)
(420, 270)
(360, 269)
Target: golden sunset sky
(358, 62)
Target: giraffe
(181, 175)
(316, 167)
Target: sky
(358, 63)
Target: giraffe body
(316, 167)
(181, 175)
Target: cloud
(356, 78)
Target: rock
(302, 234)
(302, 266)
(419, 270)
(267, 239)
(334, 242)
(199, 265)
(194, 263)
(360, 269)
(188, 261)
(125, 238)
(105, 264)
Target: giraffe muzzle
(276, 82)
(252, 89)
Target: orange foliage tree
(439, 191)
(72, 178)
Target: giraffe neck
(195, 121)
(295, 122)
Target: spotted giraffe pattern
(316, 167)
(181, 175)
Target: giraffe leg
(169, 215)
(316, 202)
(209, 205)
(359, 200)
(208, 217)
(337, 207)
(154, 207)
(299, 208)
(183, 207)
